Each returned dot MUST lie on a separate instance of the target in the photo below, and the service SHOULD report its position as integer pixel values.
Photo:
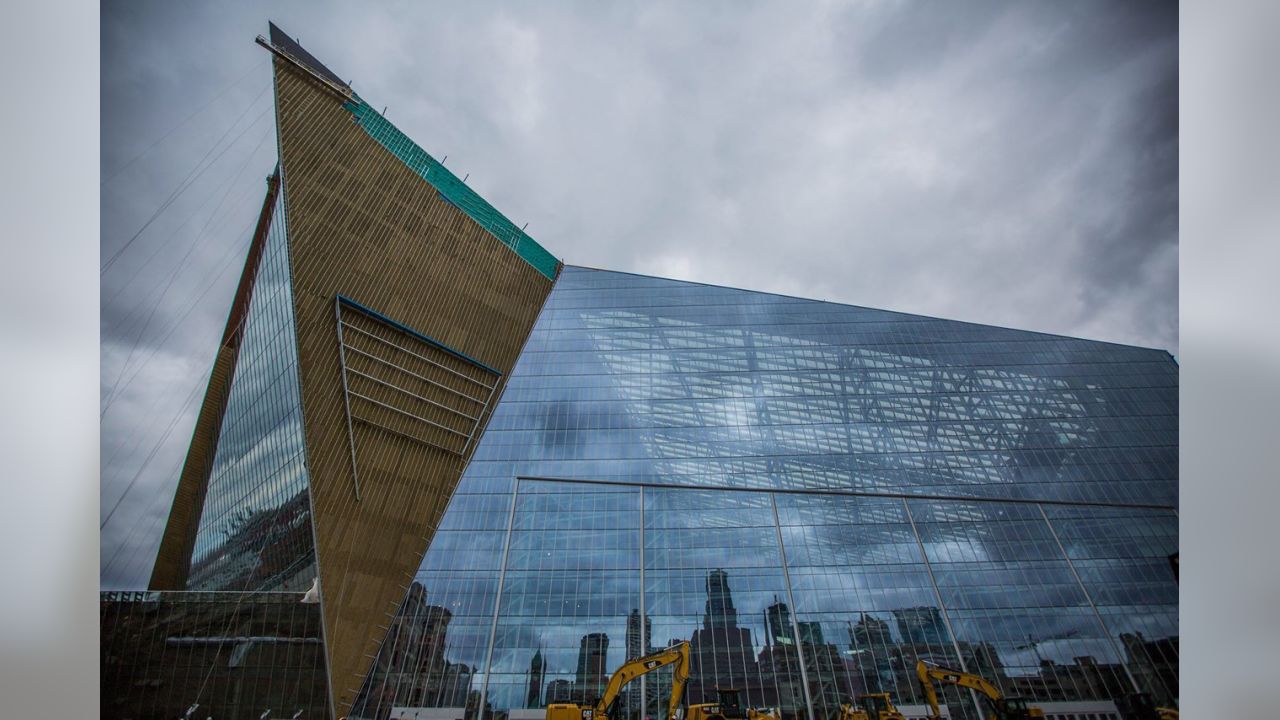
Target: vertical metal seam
(942, 605)
(346, 396)
(644, 613)
(791, 600)
(497, 600)
(1103, 623)
(330, 686)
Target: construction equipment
(728, 707)
(1004, 708)
(677, 655)
(872, 706)
(1140, 706)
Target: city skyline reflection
(570, 611)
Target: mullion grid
(572, 575)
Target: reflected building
(560, 691)
(870, 645)
(816, 495)
(1154, 665)
(593, 667)
(638, 640)
(777, 619)
(639, 631)
(536, 668)
(417, 672)
(920, 625)
(721, 653)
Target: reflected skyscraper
(536, 668)
(721, 653)
(560, 691)
(638, 640)
(871, 646)
(720, 609)
(870, 634)
(593, 668)
(419, 672)
(778, 621)
(921, 625)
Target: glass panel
(571, 598)
(649, 380)
(1023, 620)
(864, 604)
(1123, 557)
(713, 577)
(704, 393)
(255, 528)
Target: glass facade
(255, 528)
(814, 496)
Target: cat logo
(651, 664)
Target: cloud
(1005, 163)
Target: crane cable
(116, 387)
(152, 146)
(184, 184)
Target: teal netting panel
(451, 188)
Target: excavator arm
(928, 675)
(677, 654)
(926, 684)
(679, 678)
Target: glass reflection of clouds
(255, 527)
(991, 499)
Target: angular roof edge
(450, 188)
(903, 313)
(281, 40)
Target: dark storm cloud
(1007, 163)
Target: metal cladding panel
(365, 227)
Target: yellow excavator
(677, 655)
(728, 707)
(1004, 708)
(872, 706)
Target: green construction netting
(451, 188)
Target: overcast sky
(1005, 163)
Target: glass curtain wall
(799, 600)
(255, 528)
(815, 496)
